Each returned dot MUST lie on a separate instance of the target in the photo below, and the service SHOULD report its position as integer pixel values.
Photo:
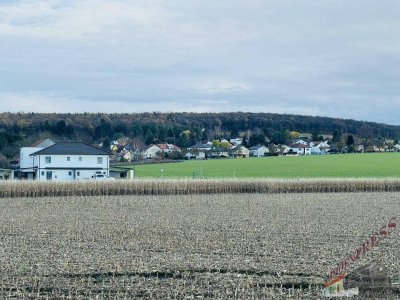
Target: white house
(236, 141)
(151, 151)
(69, 161)
(300, 149)
(300, 141)
(26, 161)
(240, 151)
(219, 152)
(258, 150)
(197, 151)
(169, 148)
(319, 147)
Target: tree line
(182, 129)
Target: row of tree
(182, 129)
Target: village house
(198, 151)
(126, 155)
(240, 151)
(359, 148)
(151, 151)
(300, 141)
(236, 141)
(319, 147)
(25, 165)
(64, 162)
(116, 148)
(258, 150)
(219, 152)
(169, 148)
(299, 149)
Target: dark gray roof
(72, 149)
(200, 146)
(256, 147)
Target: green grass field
(339, 165)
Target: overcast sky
(319, 57)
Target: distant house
(197, 151)
(26, 161)
(117, 148)
(306, 136)
(150, 151)
(219, 152)
(68, 161)
(169, 148)
(126, 155)
(236, 141)
(240, 151)
(299, 149)
(300, 141)
(43, 143)
(397, 147)
(258, 150)
(319, 147)
(360, 148)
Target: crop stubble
(238, 246)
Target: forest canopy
(183, 129)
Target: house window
(47, 159)
(80, 158)
(99, 160)
(68, 158)
(70, 173)
(42, 173)
(78, 173)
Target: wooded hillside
(183, 129)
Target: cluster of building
(218, 149)
(47, 160)
(131, 153)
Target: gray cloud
(330, 58)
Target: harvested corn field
(195, 186)
(226, 246)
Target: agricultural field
(310, 166)
(210, 246)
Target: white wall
(68, 175)
(72, 169)
(60, 161)
(26, 161)
(152, 152)
(259, 152)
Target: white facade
(26, 160)
(300, 150)
(70, 167)
(169, 148)
(236, 142)
(64, 162)
(258, 151)
(240, 151)
(319, 147)
(196, 155)
(151, 151)
(198, 151)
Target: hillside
(183, 129)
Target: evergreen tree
(350, 143)
(106, 144)
(149, 137)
